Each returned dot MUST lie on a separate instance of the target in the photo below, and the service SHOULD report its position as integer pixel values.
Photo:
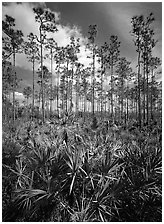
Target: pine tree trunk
(122, 101)
(14, 86)
(71, 102)
(108, 103)
(144, 95)
(33, 87)
(147, 98)
(63, 89)
(77, 93)
(127, 109)
(93, 83)
(66, 95)
(39, 101)
(136, 109)
(112, 90)
(101, 92)
(42, 77)
(105, 108)
(139, 90)
(58, 89)
(84, 105)
(151, 99)
(97, 106)
(51, 85)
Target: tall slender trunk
(71, 103)
(93, 82)
(33, 87)
(105, 107)
(42, 87)
(81, 102)
(134, 106)
(77, 92)
(144, 95)
(14, 85)
(84, 103)
(101, 89)
(97, 106)
(58, 89)
(120, 115)
(127, 101)
(147, 97)
(51, 84)
(84, 109)
(39, 101)
(127, 109)
(122, 100)
(66, 89)
(109, 105)
(136, 109)
(112, 89)
(63, 93)
(151, 99)
(139, 90)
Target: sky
(73, 18)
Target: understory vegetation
(92, 171)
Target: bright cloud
(25, 21)
(24, 16)
(19, 96)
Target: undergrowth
(89, 172)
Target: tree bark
(33, 87)
(51, 84)
(42, 87)
(112, 90)
(14, 85)
(139, 90)
(147, 98)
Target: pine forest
(81, 112)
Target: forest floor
(81, 171)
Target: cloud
(84, 56)
(24, 16)
(19, 96)
(25, 21)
